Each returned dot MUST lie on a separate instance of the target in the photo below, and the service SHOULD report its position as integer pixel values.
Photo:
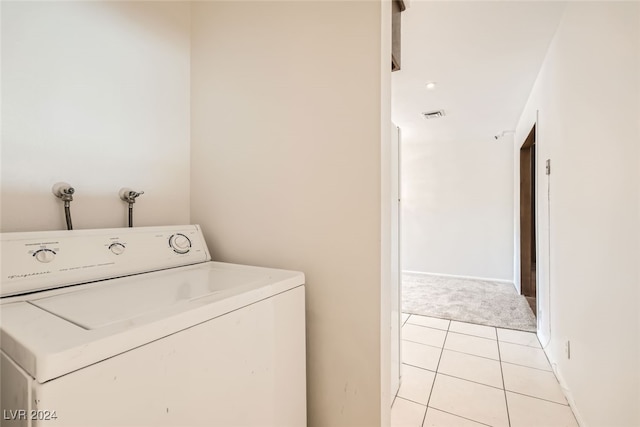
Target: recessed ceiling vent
(433, 114)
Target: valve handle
(63, 191)
(128, 195)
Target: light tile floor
(461, 374)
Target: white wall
(587, 97)
(286, 172)
(457, 207)
(95, 94)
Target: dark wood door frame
(397, 8)
(528, 218)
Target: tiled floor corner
(460, 374)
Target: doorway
(528, 244)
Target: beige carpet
(466, 300)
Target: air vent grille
(433, 114)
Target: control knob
(117, 248)
(44, 255)
(180, 243)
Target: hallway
(462, 374)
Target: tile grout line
(527, 366)
(474, 355)
(423, 326)
(409, 400)
(470, 381)
(435, 376)
(504, 387)
(460, 416)
(538, 398)
(421, 343)
(418, 367)
(471, 335)
(405, 320)
(470, 354)
(520, 344)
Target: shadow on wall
(134, 15)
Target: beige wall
(95, 94)
(286, 172)
(588, 106)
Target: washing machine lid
(146, 296)
(53, 333)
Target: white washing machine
(138, 327)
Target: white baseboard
(566, 391)
(488, 279)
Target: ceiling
(484, 56)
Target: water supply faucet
(64, 191)
(130, 196)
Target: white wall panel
(588, 106)
(457, 207)
(95, 94)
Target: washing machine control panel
(35, 261)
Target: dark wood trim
(397, 8)
(395, 64)
(527, 216)
(531, 138)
